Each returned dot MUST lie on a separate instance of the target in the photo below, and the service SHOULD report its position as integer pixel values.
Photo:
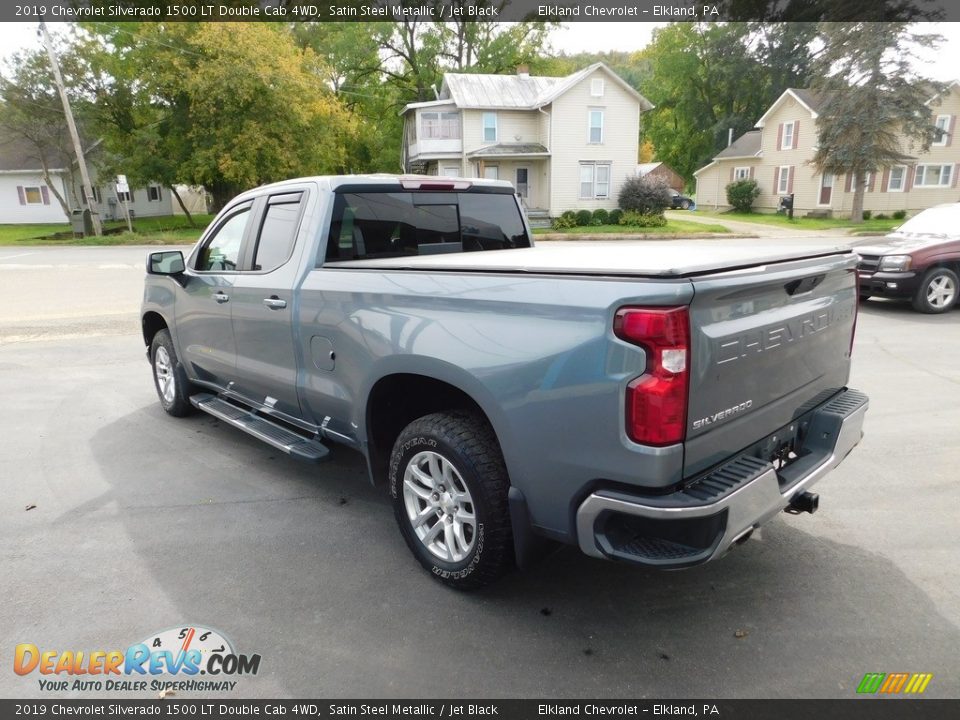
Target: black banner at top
(478, 10)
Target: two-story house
(566, 143)
(779, 154)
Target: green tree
(225, 105)
(872, 96)
(31, 113)
(708, 78)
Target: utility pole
(84, 175)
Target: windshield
(935, 221)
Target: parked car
(919, 261)
(680, 202)
(651, 404)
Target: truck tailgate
(767, 343)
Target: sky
(581, 37)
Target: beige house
(566, 143)
(778, 156)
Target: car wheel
(169, 378)
(937, 292)
(448, 483)
(684, 204)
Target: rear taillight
(656, 412)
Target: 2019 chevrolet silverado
(651, 403)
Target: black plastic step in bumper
(703, 519)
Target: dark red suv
(919, 261)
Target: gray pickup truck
(651, 403)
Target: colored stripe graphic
(894, 683)
(871, 683)
(918, 683)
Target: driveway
(759, 229)
(142, 522)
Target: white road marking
(11, 257)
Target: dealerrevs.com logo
(184, 653)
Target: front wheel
(448, 483)
(685, 205)
(171, 382)
(937, 292)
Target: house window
(933, 176)
(595, 136)
(489, 127)
(96, 195)
(125, 196)
(594, 180)
(943, 130)
(32, 195)
(741, 173)
(440, 125)
(596, 87)
(897, 179)
(491, 172)
(787, 139)
(153, 193)
(783, 179)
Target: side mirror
(168, 262)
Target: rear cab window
(382, 223)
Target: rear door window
(396, 224)
(278, 231)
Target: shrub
(646, 194)
(613, 217)
(880, 216)
(584, 217)
(600, 217)
(569, 215)
(867, 214)
(633, 218)
(899, 215)
(564, 221)
(741, 194)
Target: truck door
(204, 328)
(263, 306)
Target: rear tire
(169, 378)
(937, 292)
(448, 483)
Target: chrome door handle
(221, 297)
(275, 303)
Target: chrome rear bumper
(678, 531)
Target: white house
(26, 198)
(566, 143)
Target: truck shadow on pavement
(304, 565)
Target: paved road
(144, 522)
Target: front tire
(169, 378)
(448, 483)
(685, 205)
(937, 292)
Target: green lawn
(672, 228)
(803, 223)
(168, 230)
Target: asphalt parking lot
(143, 522)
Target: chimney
(523, 71)
(729, 137)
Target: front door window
(522, 184)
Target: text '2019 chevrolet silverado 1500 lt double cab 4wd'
(649, 402)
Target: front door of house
(826, 188)
(522, 184)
